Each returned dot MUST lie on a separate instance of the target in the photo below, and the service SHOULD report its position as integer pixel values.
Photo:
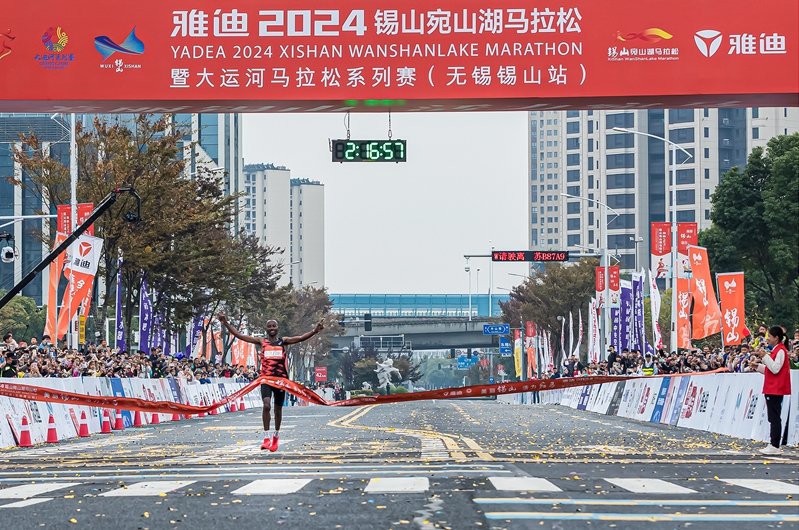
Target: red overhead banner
(325, 55)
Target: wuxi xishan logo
(54, 40)
(132, 45)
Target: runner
(273, 363)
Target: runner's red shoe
(275, 441)
(267, 444)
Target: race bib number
(273, 352)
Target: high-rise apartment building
(579, 153)
(289, 214)
(307, 248)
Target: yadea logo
(708, 41)
(84, 249)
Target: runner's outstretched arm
(236, 333)
(294, 340)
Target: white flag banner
(591, 313)
(576, 350)
(571, 333)
(654, 302)
(595, 336)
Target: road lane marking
(763, 485)
(648, 517)
(636, 502)
(273, 486)
(471, 444)
(522, 484)
(397, 485)
(26, 502)
(30, 490)
(648, 485)
(148, 489)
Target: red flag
(706, 316)
(731, 293)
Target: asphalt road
(426, 465)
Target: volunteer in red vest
(775, 367)
(273, 364)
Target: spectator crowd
(741, 359)
(44, 359)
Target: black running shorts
(280, 394)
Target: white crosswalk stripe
(764, 485)
(397, 485)
(648, 485)
(522, 484)
(26, 491)
(380, 481)
(26, 502)
(145, 489)
(273, 486)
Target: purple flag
(638, 301)
(196, 333)
(145, 316)
(615, 329)
(639, 315)
(120, 336)
(626, 313)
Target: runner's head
(272, 328)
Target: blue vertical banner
(625, 319)
(145, 316)
(120, 326)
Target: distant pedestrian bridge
(424, 321)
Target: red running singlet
(273, 359)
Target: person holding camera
(8, 368)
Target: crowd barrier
(67, 415)
(724, 403)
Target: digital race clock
(369, 151)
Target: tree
(756, 229)
(21, 317)
(310, 306)
(183, 239)
(560, 289)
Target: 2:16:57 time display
(369, 151)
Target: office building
(579, 153)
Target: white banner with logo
(729, 404)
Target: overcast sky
(404, 228)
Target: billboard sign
(326, 56)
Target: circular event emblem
(54, 39)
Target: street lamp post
(469, 272)
(491, 284)
(604, 261)
(636, 240)
(674, 148)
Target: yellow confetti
(73, 520)
(146, 514)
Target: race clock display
(369, 151)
